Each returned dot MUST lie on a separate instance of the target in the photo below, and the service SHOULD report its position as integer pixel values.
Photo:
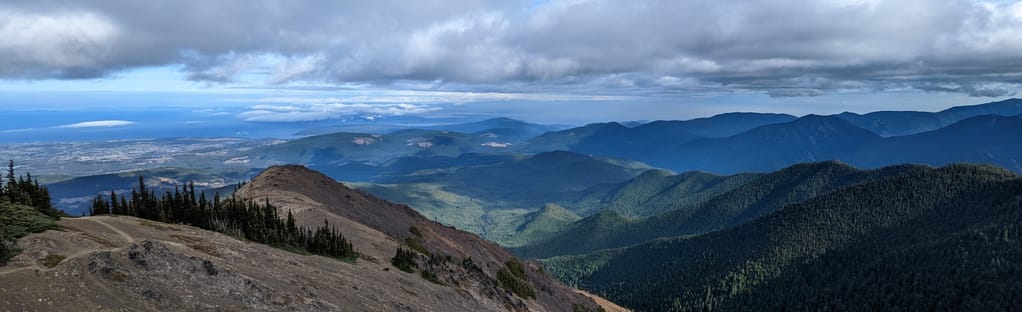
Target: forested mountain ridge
(771, 147)
(760, 195)
(988, 139)
(899, 123)
(658, 191)
(924, 238)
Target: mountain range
(838, 212)
(748, 142)
(981, 139)
(899, 123)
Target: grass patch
(369, 258)
(52, 260)
(158, 225)
(416, 244)
(415, 231)
(118, 276)
(98, 239)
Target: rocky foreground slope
(127, 264)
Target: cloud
(60, 45)
(99, 123)
(326, 111)
(776, 47)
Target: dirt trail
(37, 267)
(21, 269)
(127, 238)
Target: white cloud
(429, 97)
(56, 43)
(606, 46)
(98, 123)
(325, 111)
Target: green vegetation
(25, 208)
(260, 223)
(24, 190)
(17, 221)
(513, 184)
(433, 202)
(52, 260)
(543, 223)
(498, 201)
(415, 231)
(934, 239)
(512, 277)
(493, 200)
(657, 191)
(415, 243)
(404, 260)
(761, 196)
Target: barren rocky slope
(127, 264)
(377, 227)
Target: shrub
(404, 260)
(512, 278)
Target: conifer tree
(115, 206)
(243, 218)
(10, 172)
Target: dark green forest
(934, 239)
(24, 208)
(247, 219)
(758, 196)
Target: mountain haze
(898, 123)
(639, 142)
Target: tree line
(24, 208)
(257, 222)
(24, 190)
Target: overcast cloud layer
(782, 48)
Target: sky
(567, 62)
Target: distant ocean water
(53, 126)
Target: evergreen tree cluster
(404, 260)
(24, 208)
(246, 219)
(24, 190)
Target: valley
(590, 203)
(518, 156)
